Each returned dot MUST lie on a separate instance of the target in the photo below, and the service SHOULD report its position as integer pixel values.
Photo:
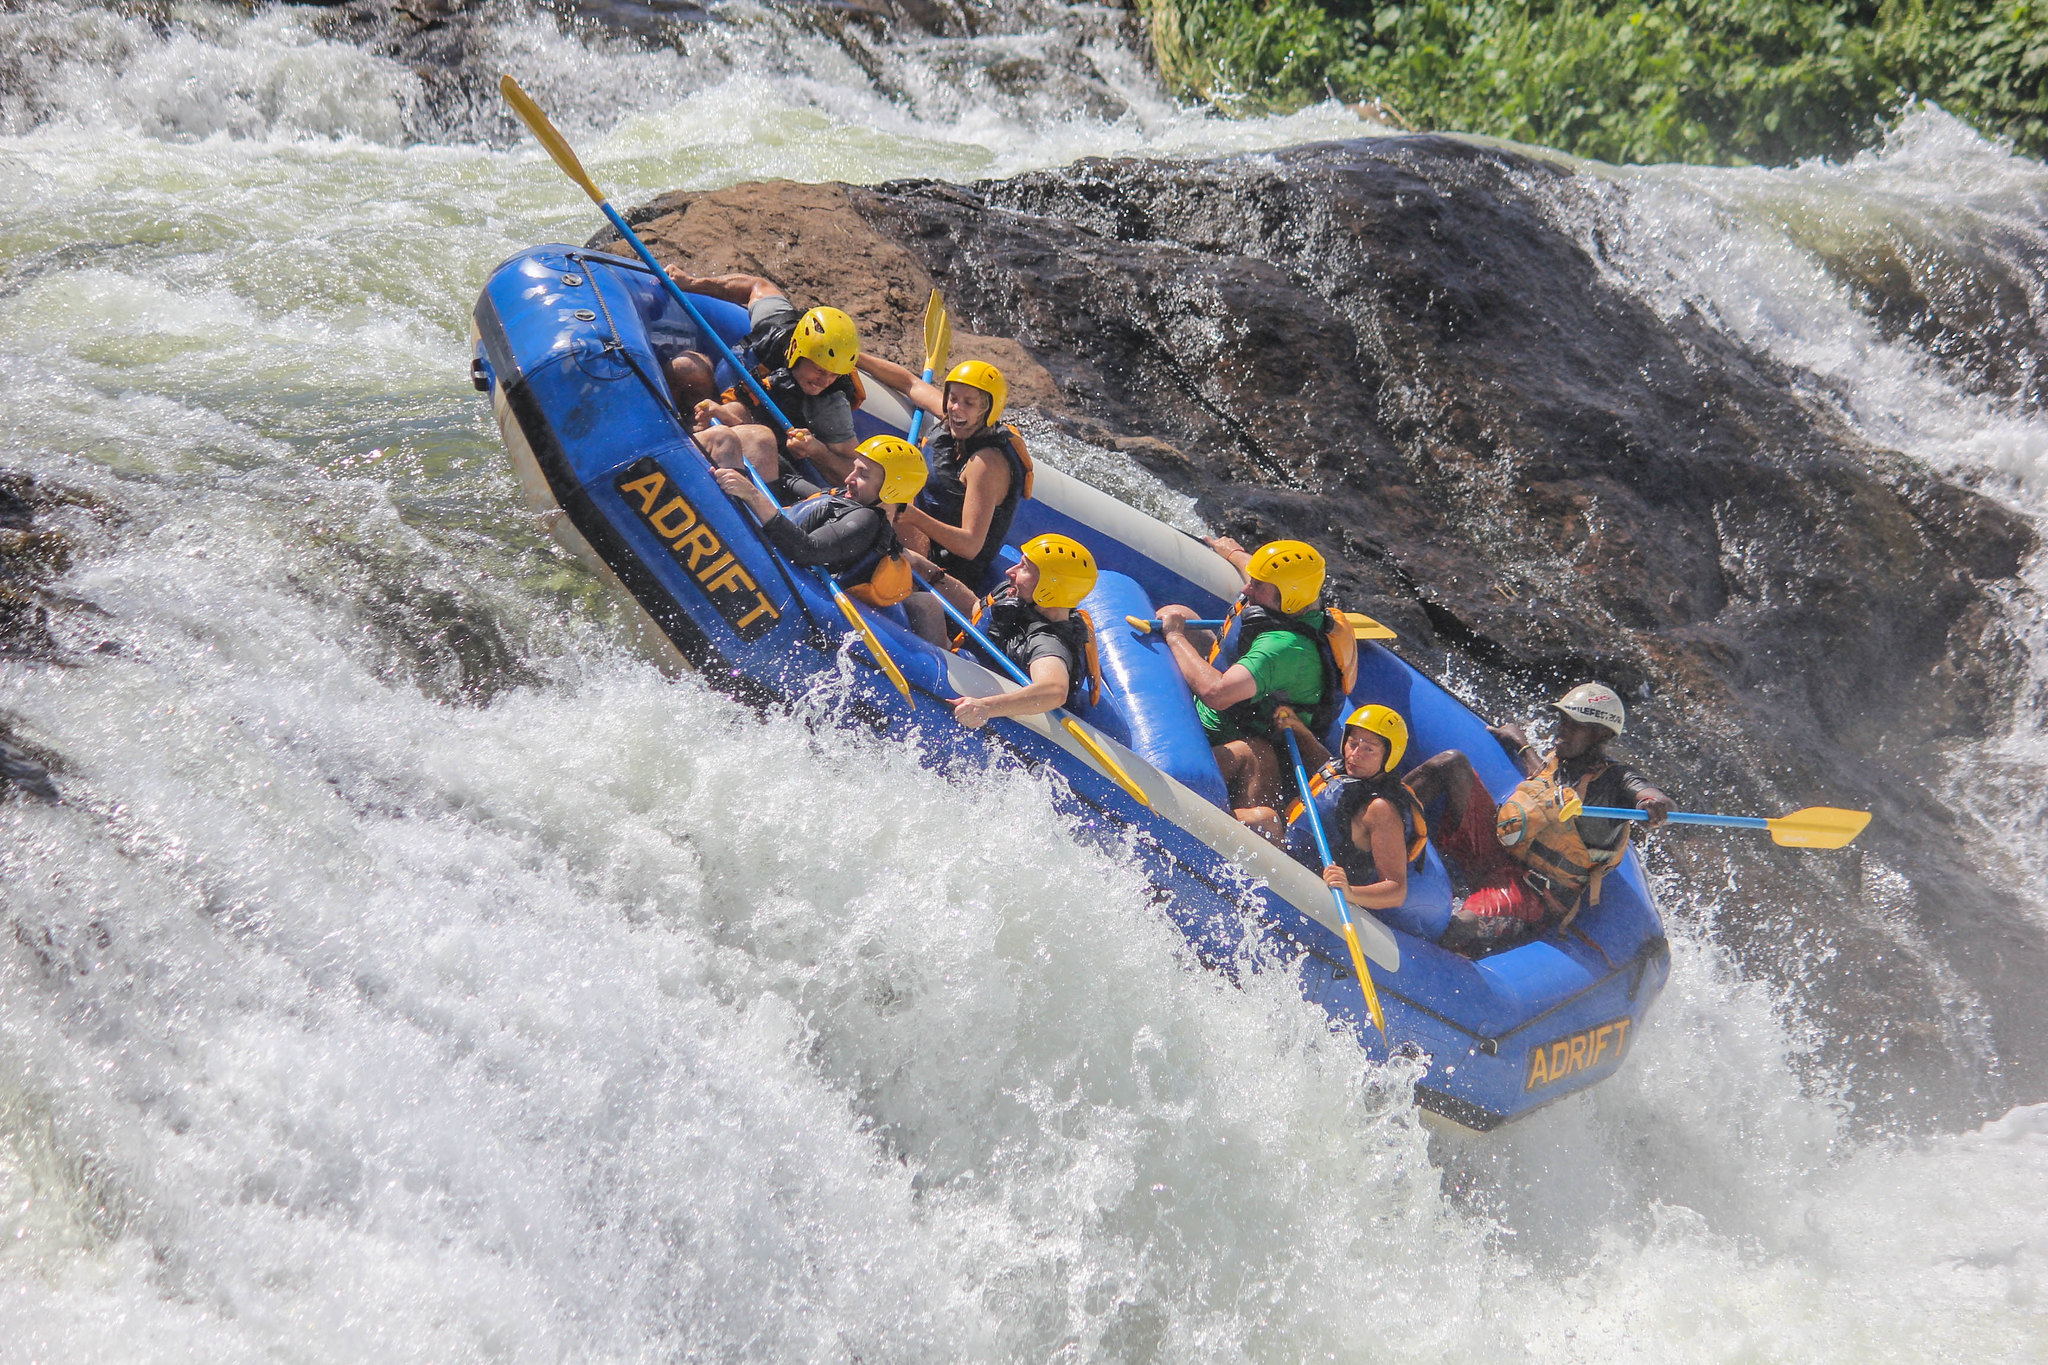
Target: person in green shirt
(1276, 664)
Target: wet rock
(1385, 348)
(32, 553)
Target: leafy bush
(1696, 80)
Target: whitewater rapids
(416, 975)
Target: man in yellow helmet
(1278, 656)
(805, 361)
(845, 531)
(1533, 859)
(1033, 619)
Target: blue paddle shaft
(917, 418)
(676, 292)
(1315, 819)
(1677, 817)
(973, 633)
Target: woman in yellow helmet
(1374, 823)
(805, 361)
(1033, 618)
(845, 531)
(1277, 658)
(980, 471)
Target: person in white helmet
(1534, 859)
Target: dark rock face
(31, 554)
(1386, 349)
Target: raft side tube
(1192, 814)
(1170, 566)
(1155, 699)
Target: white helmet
(1593, 704)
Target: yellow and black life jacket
(944, 495)
(1336, 645)
(1339, 797)
(1539, 825)
(1010, 617)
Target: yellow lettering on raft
(1552, 1062)
(734, 579)
(755, 614)
(648, 489)
(702, 544)
(665, 520)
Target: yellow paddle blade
(881, 655)
(1365, 628)
(544, 132)
(1140, 624)
(1372, 995)
(1818, 827)
(1105, 762)
(941, 349)
(936, 332)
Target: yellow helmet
(1385, 722)
(979, 374)
(1294, 567)
(825, 337)
(1066, 571)
(903, 468)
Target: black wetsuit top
(1338, 804)
(828, 529)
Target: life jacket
(944, 495)
(1010, 619)
(1339, 797)
(1539, 825)
(881, 576)
(1336, 645)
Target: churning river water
(416, 975)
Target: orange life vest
(1539, 825)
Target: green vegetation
(1726, 81)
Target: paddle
(1315, 827)
(564, 156)
(1362, 627)
(1068, 723)
(1144, 627)
(938, 342)
(1814, 827)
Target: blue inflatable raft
(570, 346)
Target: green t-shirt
(1287, 669)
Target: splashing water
(418, 976)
